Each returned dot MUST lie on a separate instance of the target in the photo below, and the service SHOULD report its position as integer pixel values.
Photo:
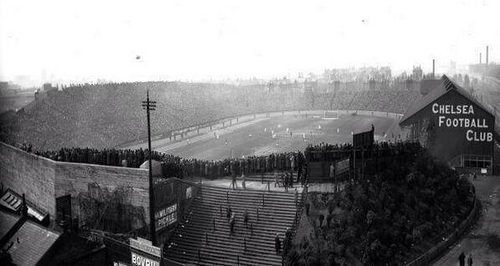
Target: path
(483, 241)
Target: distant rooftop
(25, 241)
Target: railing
(298, 214)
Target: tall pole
(433, 68)
(150, 106)
(487, 54)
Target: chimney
(486, 54)
(24, 207)
(433, 68)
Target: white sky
(68, 40)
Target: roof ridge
(446, 85)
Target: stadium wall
(114, 199)
(109, 198)
(29, 174)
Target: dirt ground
(483, 241)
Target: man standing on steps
(277, 244)
(233, 181)
(287, 240)
(285, 182)
(276, 179)
(245, 218)
(231, 222)
(243, 182)
(228, 212)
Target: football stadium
(251, 133)
(249, 175)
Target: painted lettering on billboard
(459, 116)
(342, 166)
(166, 217)
(145, 246)
(144, 253)
(141, 260)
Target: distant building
(492, 70)
(417, 73)
(454, 126)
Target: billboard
(143, 253)
(165, 217)
(342, 166)
(363, 139)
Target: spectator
(232, 221)
(461, 259)
(245, 218)
(277, 244)
(229, 212)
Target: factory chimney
(433, 68)
(486, 54)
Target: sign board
(363, 139)
(342, 166)
(145, 246)
(166, 217)
(143, 253)
(141, 260)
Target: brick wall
(29, 174)
(108, 198)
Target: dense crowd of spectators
(409, 203)
(108, 115)
(174, 166)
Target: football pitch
(279, 134)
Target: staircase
(277, 213)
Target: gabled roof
(7, 221)
(30, 243)
(13, 201)
(25, 241)
(444, 87)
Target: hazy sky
(191, 40)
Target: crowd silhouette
(109, 115)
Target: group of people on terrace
(55, 121)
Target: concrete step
(223, 248)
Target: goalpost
(330, 115)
